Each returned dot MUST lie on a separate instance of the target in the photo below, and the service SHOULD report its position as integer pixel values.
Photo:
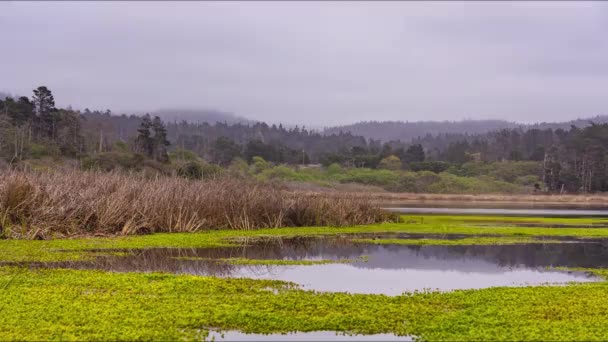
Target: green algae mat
(59, 290)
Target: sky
(316, 63)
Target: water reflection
(492, 204)
(302, 336)
(500, 211)
(389, 269)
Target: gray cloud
(314, 62)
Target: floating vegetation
(137, 303)
(95, 305)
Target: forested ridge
(406, 131)
(544, 157)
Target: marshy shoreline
(45, 205)
(170, 298)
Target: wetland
(429, 277)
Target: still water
(302, 336)
(500, 211)
(378, 269)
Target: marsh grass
(36, 205)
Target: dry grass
(46, 205)
(545, 200)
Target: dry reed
(45, 205)
(383, 198)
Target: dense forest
(556, 159)
(406, 131)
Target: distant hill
(198, 115)
(4, 95)
(598, 119)
(406, 131)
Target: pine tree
(144, 142)
(160, 141)
(44, 105)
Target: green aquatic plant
(599, 272)
(42, 304)
(58, 304)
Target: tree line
(31, 127)
(571, 160)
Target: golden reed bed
(44, 205)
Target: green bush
(384, 178)
(507, 171)
(258, 164)
(433, 166)
(528, 180)
(283, 172)
(510, 171)
(108, 161)
(182, 154)
(211, 170)
(38, 151)
(334, 169)
(120, 146)
(449, 183)
(391, 162)
(190, 170)
(238, 167)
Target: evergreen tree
(144, 142)
(44, 105)
(160, 141)
(414, 153)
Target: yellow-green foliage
(390, 177)
(60, 304)
(391, 162)
(94, 305)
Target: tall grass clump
(45, 205)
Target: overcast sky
(318, 63)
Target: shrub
(334, 169)
(238, 168)
(384, 178)
(190, 170)
(120, 146)
(211, 171)
(529, 180)
(283, 172)
(183, 155)
(108, 161)
(258, 164)
(38, 151)
(433, 166)
(390, 163)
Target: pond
(390, 269)
(302, 336)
